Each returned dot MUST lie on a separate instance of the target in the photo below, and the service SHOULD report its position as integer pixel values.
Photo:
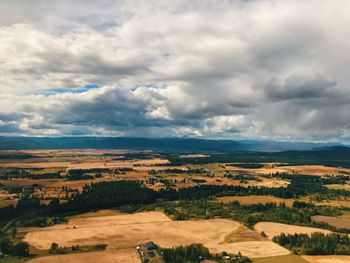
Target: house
(150, 245)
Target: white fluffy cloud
(272, 69)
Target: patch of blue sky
(60, 90)
(150, 85)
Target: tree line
(196, 253)
(316, 243)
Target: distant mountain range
(159, 144)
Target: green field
(281, 259)
(12, 260)
(338, 186)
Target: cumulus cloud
(235, 69)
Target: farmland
(327, 259)
(339, 187)
(338, 222)
(275, 229)
(254, 199)
(114, 200)
(200, 131)
(124, 231)
(113, 256)
(284, 259)
(47, 171)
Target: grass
(37, 253)
(283, 259)
(98, 213)
(9, 259)
(254, 199)
(242, 234)
(338, 187)
(346, 215)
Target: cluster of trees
(316, 243)
(40, 221)
(247, 165)
(9, 247)
(57, 249)
(333, 156)
(31, 173)
(300, 185)
(242, 178)
(299, 214)
(32, 176)
(313, 184)
(18, 155)
(340, 179)
(104, 170)
(120, 193)
(28, 202)
(196, 253)
(76, 175)
(106, 195)
(204, 171)
(12, 189)
(129, 156)
(130, 193)
(92, 173)
(8, 212)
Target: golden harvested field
(110, 256)
(281, 259)
(333, 221)
(7, 199)
(105, 212)
(327, 259)
(69, 152)
(53, 161)
(255, 199)
(336, 203)
(272, 183)
(253, 249)
(80, 163)
(125, 231)
(79, 159)
(319, 170)
(5, 203)
(274, 229)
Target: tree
(5, 245)
(21, 249)
(54, 248)
(14, 232)
(28, 202)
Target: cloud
(236, 69)
(300, 87)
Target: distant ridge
(160, 144)
(335, 148)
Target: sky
(219, 69)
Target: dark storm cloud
(9, 128)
